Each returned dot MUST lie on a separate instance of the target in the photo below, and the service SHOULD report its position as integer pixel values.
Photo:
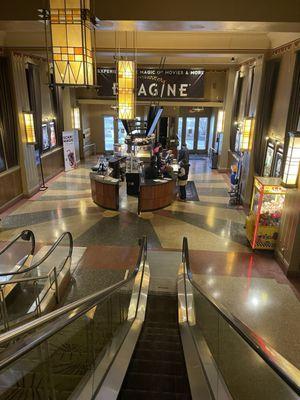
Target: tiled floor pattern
(250, 285)
(67, 205)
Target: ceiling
(169, 10)
(216, 44)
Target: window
(190, 133)
(76, 118)
(179, 132)
(121, 132)
(108, 133)
(202, 133)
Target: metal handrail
(74, 309)
(287, 371)
(25, 235)
(49, 252)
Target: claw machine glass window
(262, 224)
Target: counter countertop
(151, 182)
(104, 179)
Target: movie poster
(69, 150)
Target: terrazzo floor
(251, 286)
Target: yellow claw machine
(262, 223)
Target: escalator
(30, 284)
(15, 254)
(157, 368)
(126, 343)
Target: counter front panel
(156, 195)
(105, 194)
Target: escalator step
(157, 382)
(161, 367)
(160, 337)
(140, 394)
(158, 316)
(171, 356)
(158, 345)
(162, 326)
(161, 300)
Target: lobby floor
(251, 285)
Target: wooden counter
(156, 195)
(104, 192)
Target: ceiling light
(292, 162)
(29, 127)
(71, 42)
(126, 89)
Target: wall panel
(53, 163)
(10, 186)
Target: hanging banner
(69, 138)
(157, 84)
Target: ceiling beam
(170, 10)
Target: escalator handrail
(26, 235)
(75, 308)
(287, 371)
(43, 259)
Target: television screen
(125, 124)
(155, 121)
(151, 115)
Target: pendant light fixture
(292, 162)
(71, 32)
(126, 81)
(126, 89)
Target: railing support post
(56, 286)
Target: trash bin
(213, 158)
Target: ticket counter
(105, 191)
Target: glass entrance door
(190, 133)
(180, 131)
(202, 134)
(109, 133)
(194, 131)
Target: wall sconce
(76, 118)
(71, 37)
(220, 121)
(292, 162)
(29, 128)
(126, 89)
(246, 134)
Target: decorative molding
(291, 46)
(34, 58)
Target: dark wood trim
(105, 195)
(11, 189)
